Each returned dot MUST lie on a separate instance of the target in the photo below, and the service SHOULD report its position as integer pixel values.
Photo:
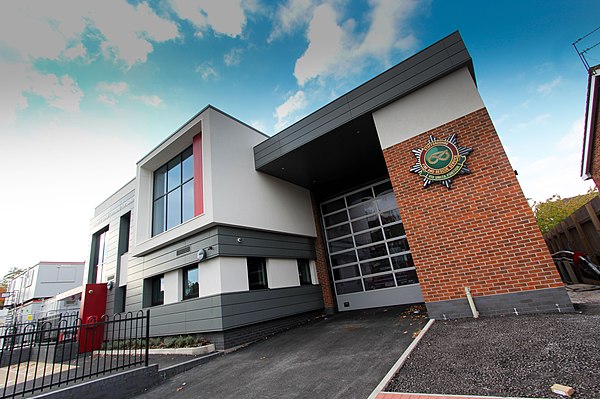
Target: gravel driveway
(506, 356)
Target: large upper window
(173, 198)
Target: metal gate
(368, 252)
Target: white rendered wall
(244, 197)
(175, 144)
(209, 277)
(173, 286)
(223, 274)
(234, 192)
(234, 274)
(440, 102)
(282, 273)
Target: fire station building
(397, 192)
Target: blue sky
(89, 87)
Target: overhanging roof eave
(434, 62)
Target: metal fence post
(147, 337)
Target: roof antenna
(582, 52)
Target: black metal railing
(41, 355)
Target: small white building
(45, 280)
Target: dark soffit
(324, 147)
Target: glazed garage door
(369, 255)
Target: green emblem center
(438, 157)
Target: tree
(555, 209)
(8, 277)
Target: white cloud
(32, 30)
(259, 125)
(77, 51)
(548, 87)
(291, 16)
(153, 101)
(233, 57)
(20, 81)
(15, 82)
(538, 120)
(40, 29)
(227, 17)
(325, 50)
(111, 91)
(573, 140)
(557, 170)
(385, 32)
(335, 50)
(111, 101)
(556, 174)
(207, 71)
(286, 113)
(59, 92)
(127, 31)
(114, 87)
(130, 30)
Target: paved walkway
(344, 356)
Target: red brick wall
(321, 261)
(479, 234)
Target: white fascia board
(589, 132)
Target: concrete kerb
(170, 371)
(125, 384)
(400, 361)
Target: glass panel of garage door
(366, 241)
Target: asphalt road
(343, 356)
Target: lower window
(190, 282)
(304, 272)
(257, 273)
(158, 290)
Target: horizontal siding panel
(270, 314)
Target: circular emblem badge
(440, 160)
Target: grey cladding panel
(220, 312)
(269, 314)
(403, 88)
(412, 66)
(273, 304)
(256, 306)
(265, 244)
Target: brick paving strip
(396, 395)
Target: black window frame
(163, 195)
(304, 273)
(257, 272)
(188, 293)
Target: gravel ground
(506, 356)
